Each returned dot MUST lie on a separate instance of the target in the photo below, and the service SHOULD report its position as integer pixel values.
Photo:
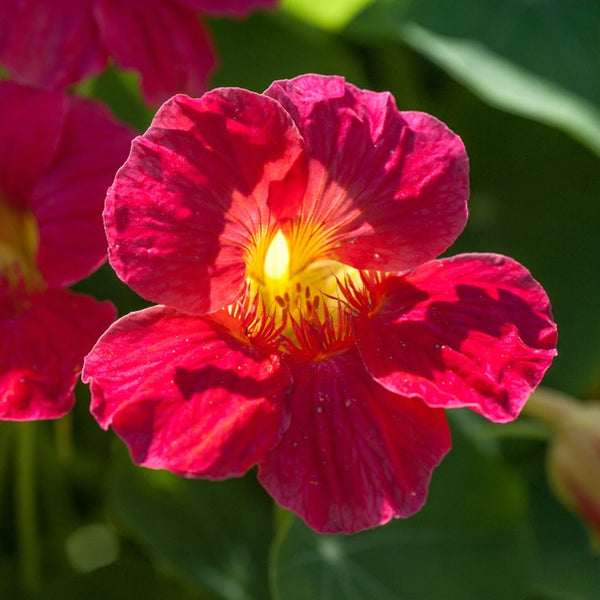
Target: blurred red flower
(54, 43)
(57, 157)
(304, 324)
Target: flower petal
(187, 394)
(67, 201)
(31, 122)
(164, 41)
(355, 455)
(207, 176)
(390, 186)
(49, 44)
(42, 348)
(227, 7)
(474, 330)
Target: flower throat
(19, 241)
(301, 293)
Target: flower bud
(573, 459)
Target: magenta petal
(162, 40)
(390, 186)
(49, 44)
(206, 177)
(31, 122)
(227, 7)
(355, 455)
(186, 393)
(475, 330)
(42, 350)
(69, 198)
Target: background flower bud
(573, 459)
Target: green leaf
(120, 90)
(277, 46)
(215, 535)
(505, 85)
(537, 59)
(469, 542)
(130, 577)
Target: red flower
(53, 43)
(287, 236)
(57, 157)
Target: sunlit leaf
(331, 14)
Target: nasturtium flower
(58, 156)
(303, 323)
(54, 43)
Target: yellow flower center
(298, 285)
(19, 242)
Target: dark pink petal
(187, 394)
(42, 349)
(390, 186)
(225, 7)
(475, 330)
(50, 44)
(199, 185)
(162, 40)
(31, 122)
(69, 198)
(355, 455)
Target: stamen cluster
(303, 300)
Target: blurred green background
(519, 81)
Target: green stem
(6, 437)
(63, 438)
(25, 496)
